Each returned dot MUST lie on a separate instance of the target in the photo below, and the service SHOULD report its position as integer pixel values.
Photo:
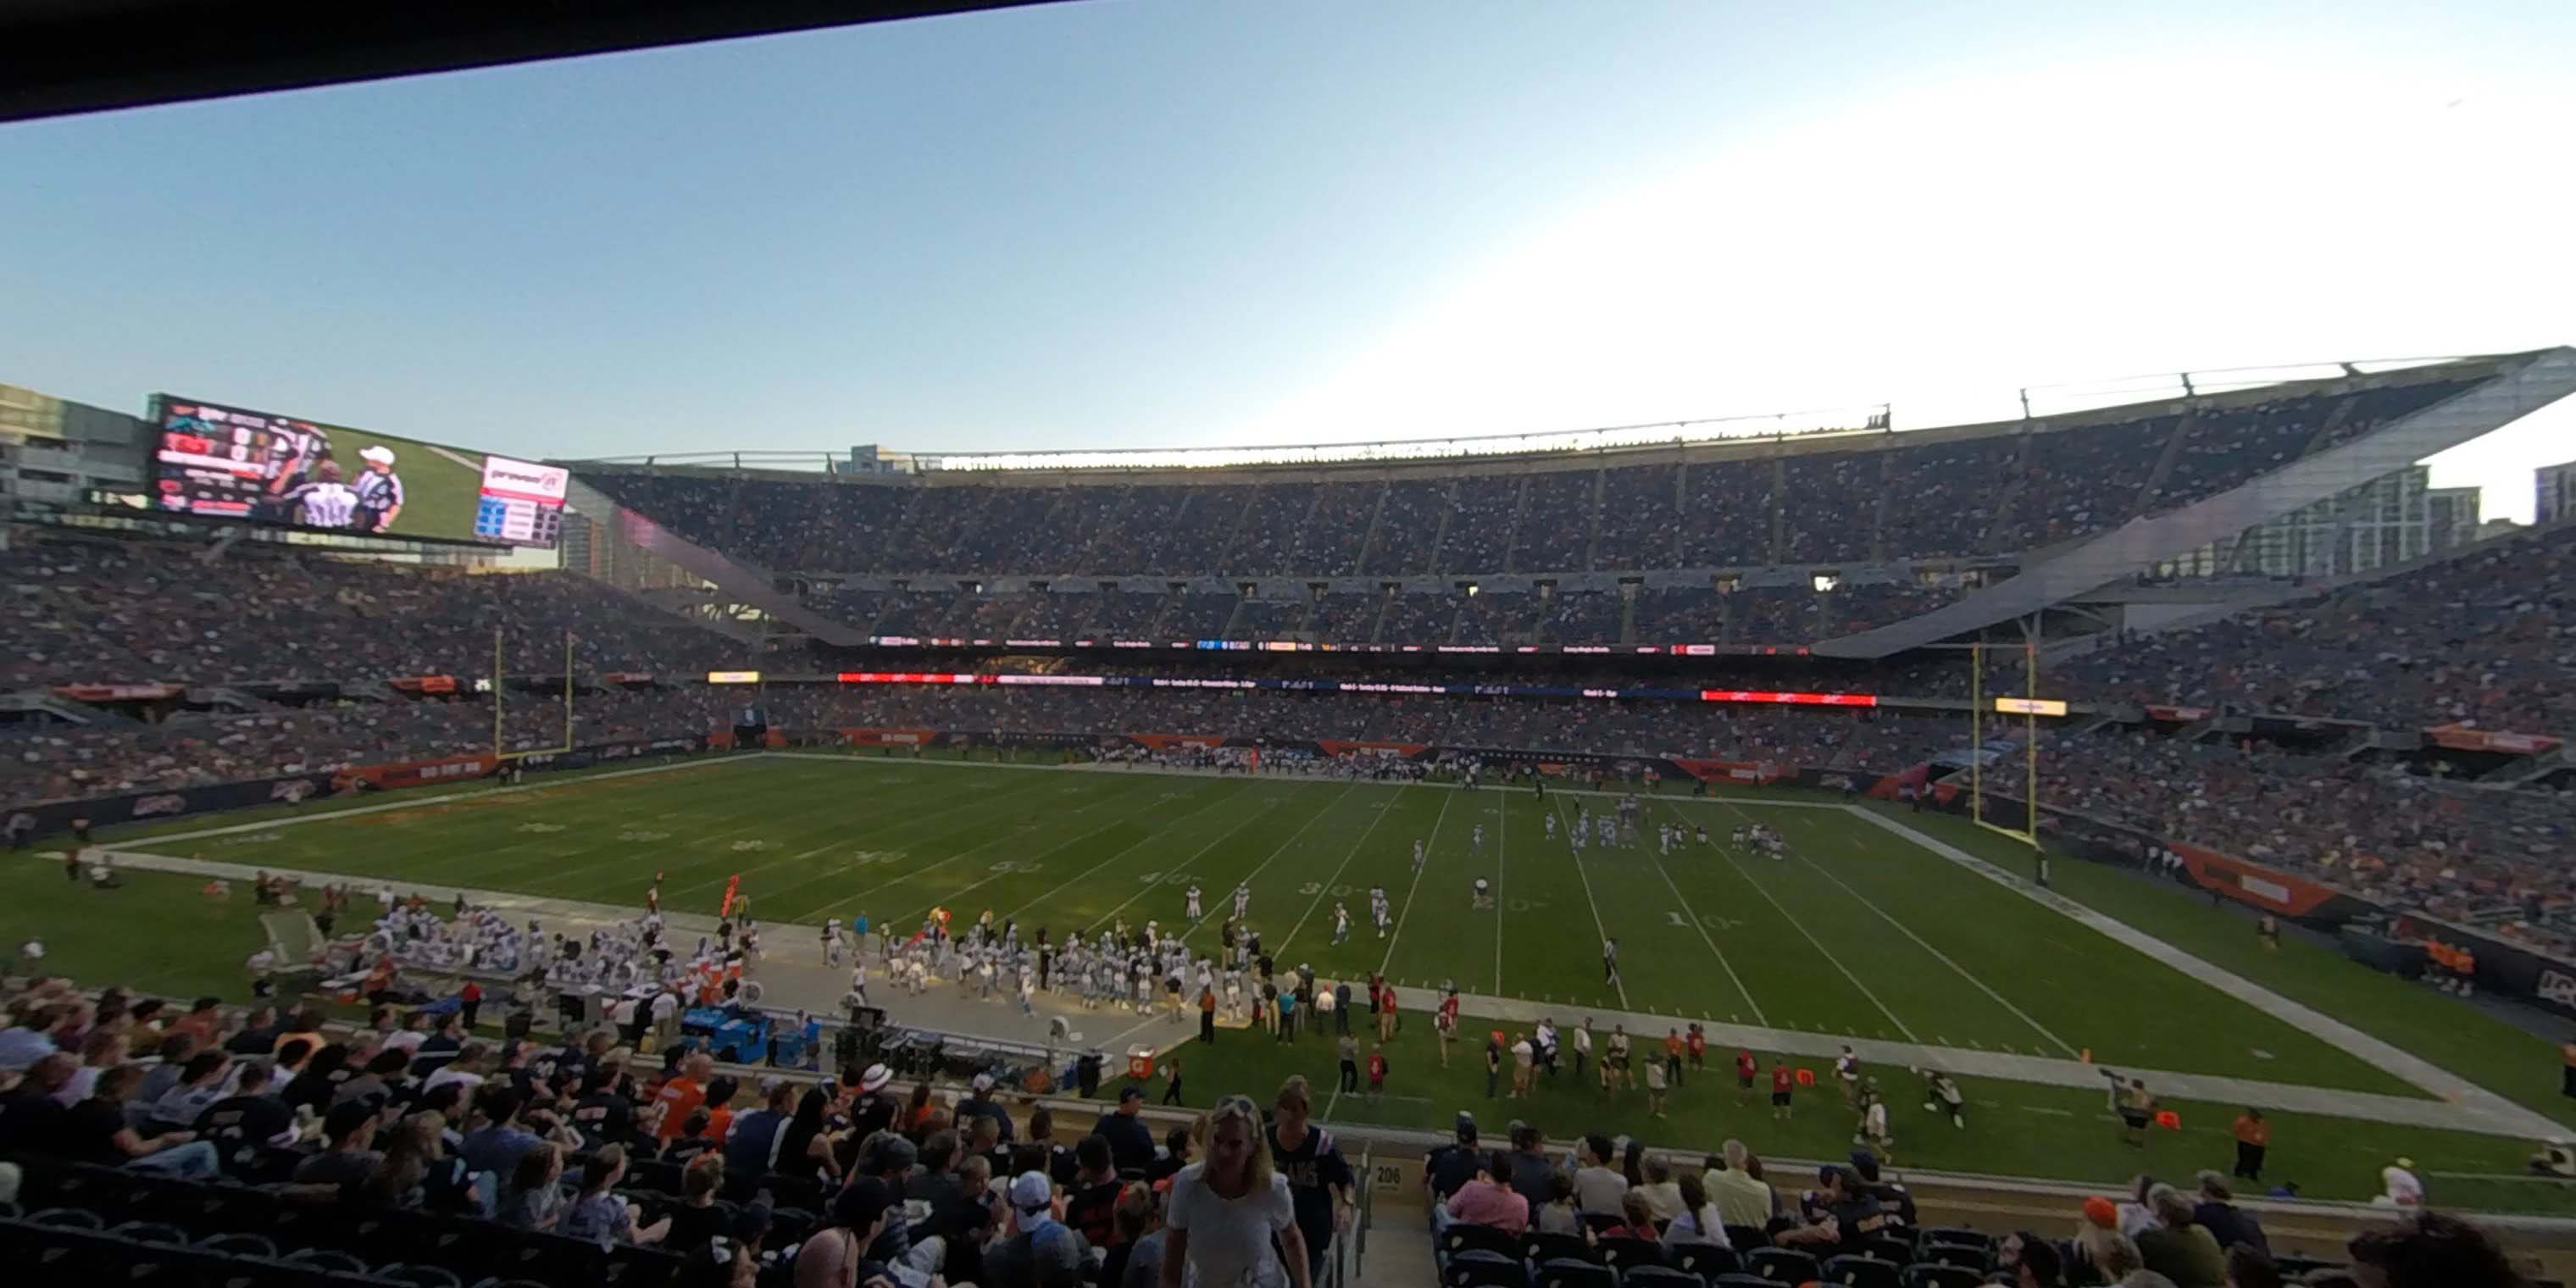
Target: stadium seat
(1565, 1272)
(1659, 1277)
(1540, 1247)
(238, 1243)
(788, 1227)
(1958, 1235)
(150, 1232)
(1933, 1274)
(1463, 1236)
(1744, 1281)
(630, 1266)
(1706, 1260)
(1626, 1254)
(1745, 1238)
(69, 1218)
(1484, 1268)
(1952, 1254)
(420, 1276)
(1786, 1264)
(1861, 1272)
(551, 1258)
(1888, 1249)
(327, 1260)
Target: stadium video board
(219, 461)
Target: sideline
(411, 802)
(2510, 1119)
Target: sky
(1128, 223)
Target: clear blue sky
(1128, 224)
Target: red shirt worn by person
(1745, 1067)
(1449, 1013)
(1493, 1203)
(1698, 1043)
(1377, 1067)
(1780, 1082)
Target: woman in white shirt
(1698, 1221)
(1225, 1211)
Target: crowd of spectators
(118, 612)
(2487, 639)
(1608, 1208)
(62, 761)
(2483, 856)
(1763, 615)
(582, 1159)
(1884, 496)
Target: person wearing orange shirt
(1673, 1048)
(2253, 1136)
(682, 1095)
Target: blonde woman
(1226, 1210)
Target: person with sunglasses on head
(1227, 1211)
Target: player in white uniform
(1550, 822)
(1481, 898)
(1242, 900)
(831, 943)
(1417, 856)
(1476, 840)
(1378, 910)
(1341, 921)
(1192, 895)
(1609, 961)
(859, 982)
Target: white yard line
(1430, 849)
(1120, 854)
(1183, 866)
(1801, 927)
(970, 803)
(1600, 930)
(1944, 958)
(1325, 889)
(416, 802)
(1246, 879)
(1502, 839)
(1704, 936)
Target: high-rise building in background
(2556, 489)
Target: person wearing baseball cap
(1448, 1169)
(979, 1103)
(379, 489)
(1040, 1248)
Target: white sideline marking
(417, 801)
(2424, 1074)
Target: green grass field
(1858, 932)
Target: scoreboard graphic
(521, 503)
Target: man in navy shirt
(1131, 1142)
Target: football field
(1870, 927)
(1856, 931)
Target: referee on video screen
(379, 489)
(326, 502)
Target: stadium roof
(59, 57)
